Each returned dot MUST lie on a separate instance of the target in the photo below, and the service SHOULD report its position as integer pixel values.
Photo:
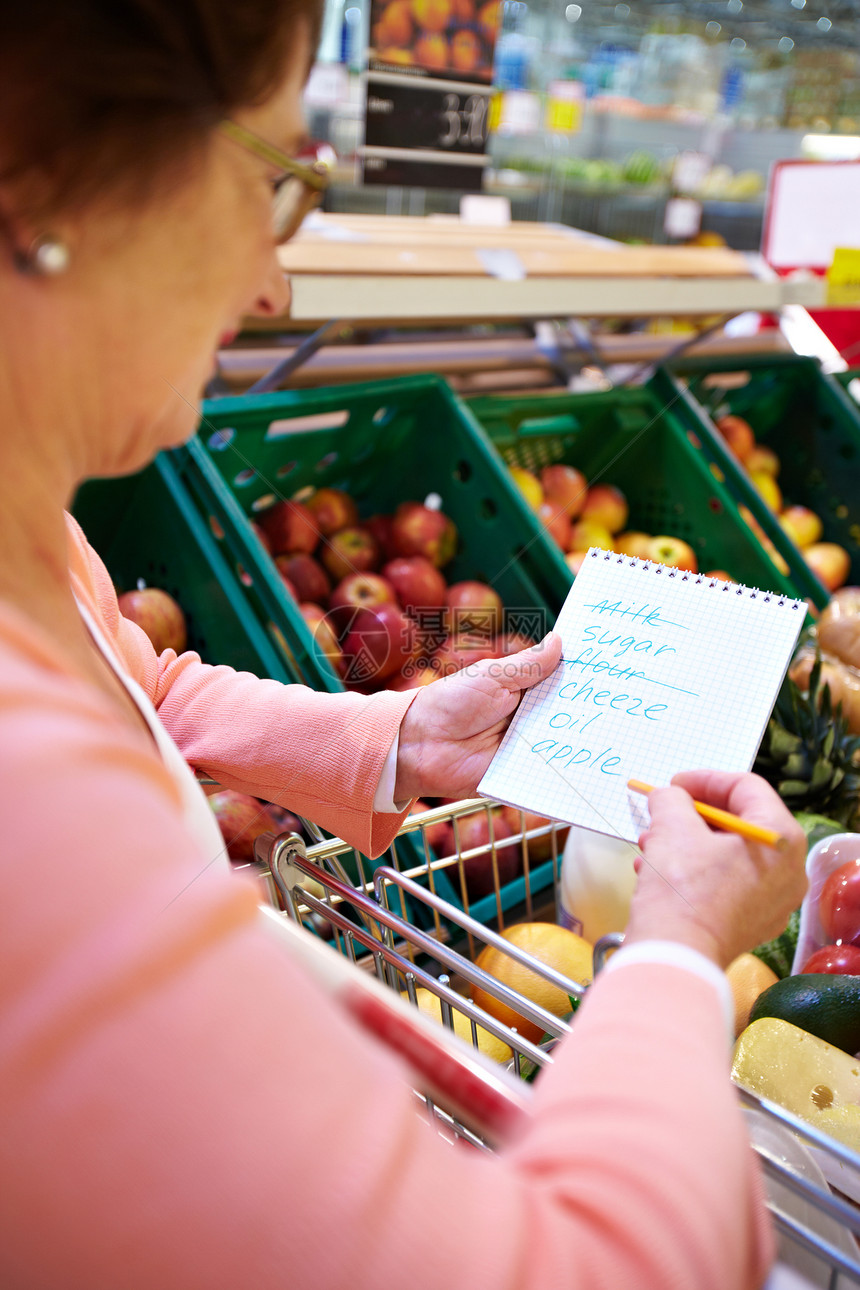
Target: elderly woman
(182, 1107)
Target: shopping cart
(396, 935)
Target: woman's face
(151, 296)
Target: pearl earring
(47, 256)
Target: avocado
(821, 1003)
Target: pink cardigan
(182, 1107)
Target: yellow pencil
(725, 820)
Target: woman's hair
(100, 96)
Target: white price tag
(683, 217)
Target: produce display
(830, 562)
(578, 516)
(837, 647)
(374, 594)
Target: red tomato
(844, 959)
(839, 906)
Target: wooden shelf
(374, 268)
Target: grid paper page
(661, 671)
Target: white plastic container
(597, 882)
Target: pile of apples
(577, 517)
(374, 594)
(830, 562)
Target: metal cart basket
(399, 932)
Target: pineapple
(808, 754)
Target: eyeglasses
(297, 190)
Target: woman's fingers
(743, 794)
(522, 670)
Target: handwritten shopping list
(661, 671)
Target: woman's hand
(454, 726)
(710, 889)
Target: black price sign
(426, 132)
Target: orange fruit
(395, 25)
(431, 1005)
(432, 15)
(432, 52)
(548, 943)
(465, 51)
(488, 17)
(748, 977)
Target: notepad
(662, 671)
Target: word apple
(159, 615)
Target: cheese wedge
(810, 1078)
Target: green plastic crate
(148, 526)
(646, 441)
(145, 526)
(384, 442)
(807, 418)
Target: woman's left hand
(454, 726)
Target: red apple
(418, 530)
(575, 560)
(159, 615)
(377, 644)
(417, 582)
(359, 591)
(350, 550)
(307, 578)
(673, 552)
(555, 522)
(738, 435)
(290, 527)
(803, 526)
(633, 543)
(719, 575)
(332, 509)
(606, 505)
(241, 819)
(473, 831)
(587, 533)
(474, 609)
(323, 632)
(829, 562)
(379, 528)
(289, 586)
(539, 849)
(565, 486)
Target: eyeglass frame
(315, 178)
